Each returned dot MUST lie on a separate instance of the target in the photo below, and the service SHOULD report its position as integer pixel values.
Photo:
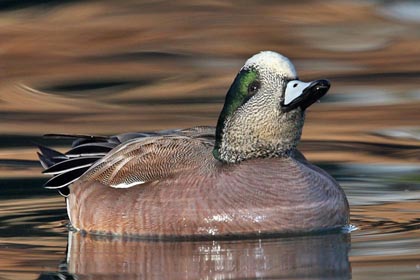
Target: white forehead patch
(272, 61)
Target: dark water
(107, 67)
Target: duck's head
(264, 109)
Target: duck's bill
(303, 95)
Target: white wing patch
(127, 185)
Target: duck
(244, 177)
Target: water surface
(106, 68)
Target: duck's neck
(256, 135)
(234, 156)
(232, 146)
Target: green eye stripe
(238, 91)
(236, 96)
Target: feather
(45, 162)
(71, 164)
(64, 191)
(48, 157)
(79, 138)
(50, 153)
(64, 179)
(91, 149)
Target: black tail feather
(64, 191)
(71, 164)
(79, 139)
(51, 154)
(67, 168)
(77, 136)
(91, 149)
(45, 162)
(64, 179)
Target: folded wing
(125, 160)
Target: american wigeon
(243, 177)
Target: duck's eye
(253, 87)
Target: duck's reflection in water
(317, 256)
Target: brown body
(255, 196)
